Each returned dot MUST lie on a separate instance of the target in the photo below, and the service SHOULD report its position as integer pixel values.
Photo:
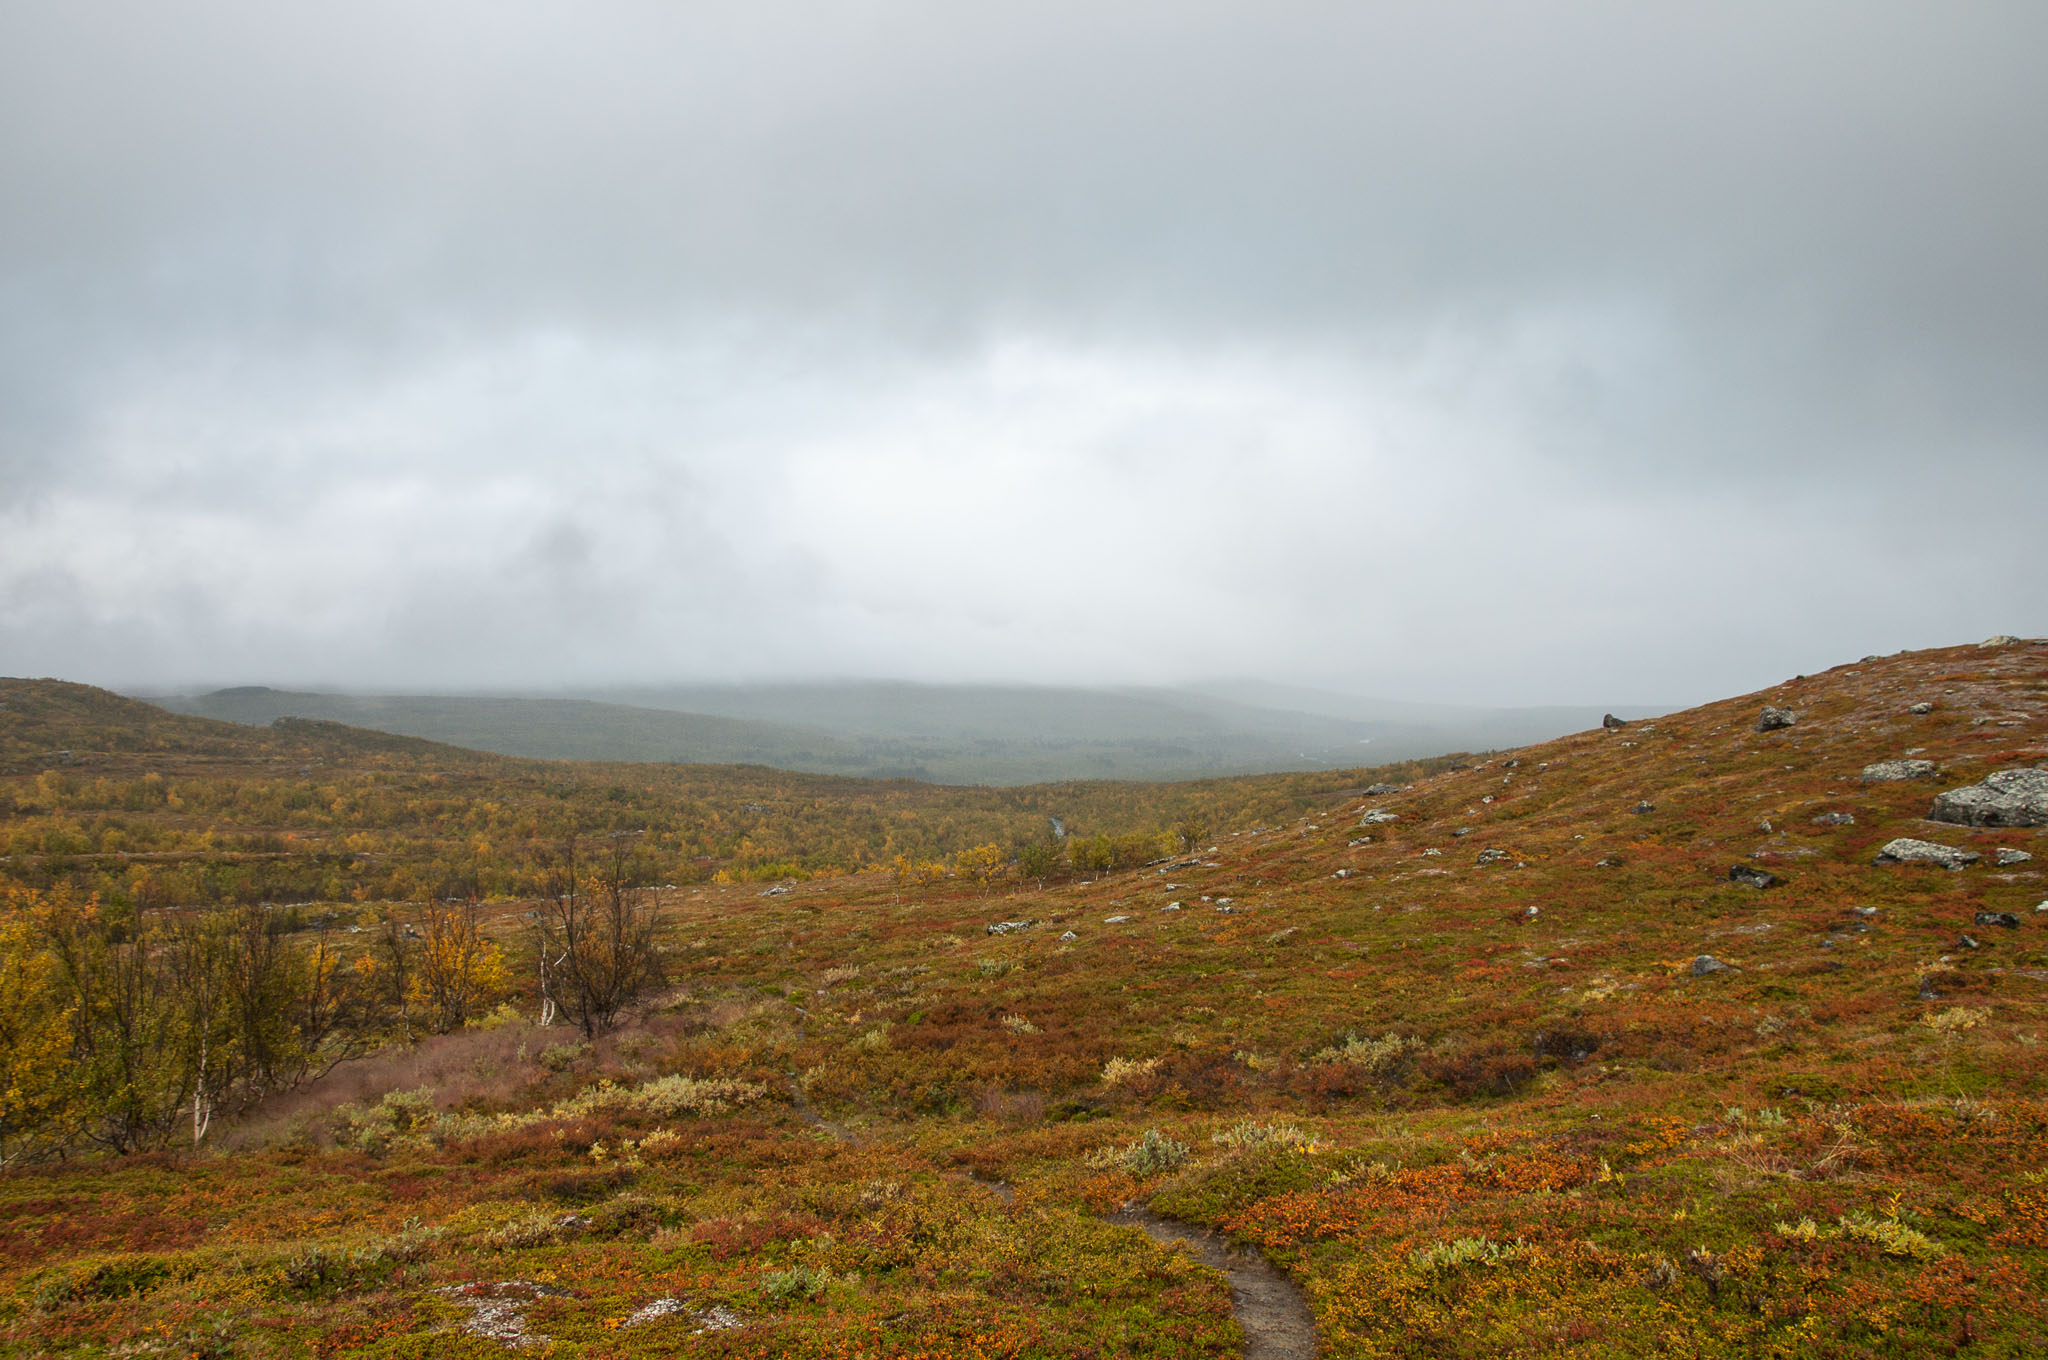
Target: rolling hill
(949, 734)
(1666, 1039)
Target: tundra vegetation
(272, 1080)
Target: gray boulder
(1836, 819)
(1643, 808)
(2006, 798)
(1378, 817)
(1381, 790)
(1612, 723)
(1009, 927)
(1906, 850)
(2005, 856)
(1751, 877)
(1774, 718)
(1706, 965)
(1886, 771)
(1923, 708)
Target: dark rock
(1612, 723)
(2016, 797)
(1774, 718)
(1462, 832)
(1887, 771)
(1752, 877)
(1967, 942)
(1706, 965)
(1906, 850)
(1923, 708)
(1645, 806)
(1998, 918)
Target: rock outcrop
(1906, 850)
(1886, 771)
(2007, 798)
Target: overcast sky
(1504, 353)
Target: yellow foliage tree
(458, 973)
(35, 1034)
(984, 864)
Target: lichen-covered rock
(1835, 819)
(2005, 856)
(2006, 798)
(1751, 877)
(1774, 718)
(1906, 850)
(1923, 708)
(1706, 965)
(1886, 771)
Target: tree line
(124, 1029)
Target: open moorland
(1676, 1038)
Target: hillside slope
(1507, 1060)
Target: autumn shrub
(1152, 1155)
(1482, 1068)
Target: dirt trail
(1276, 1319)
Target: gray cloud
(1488, 351)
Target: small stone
(1864, 911)
(1906, 850)
(1835, 819)
(1069, 938)
(2005, 919)
(1643, 807)
(1343, 873)
(1923, 708)
(1171, 906)
(1752, 877)
(1224, 901)
(1531, 913)
(1461, 833)
(1006, 927)
(1888, 771)
(1706, 965)
(1381, 790)
(1612, 723)
(1493, 856)
(1773, 719)
(2016, 797)
(1967, 942)
(2005, 855)
(1378, 817)
(1360, 840)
